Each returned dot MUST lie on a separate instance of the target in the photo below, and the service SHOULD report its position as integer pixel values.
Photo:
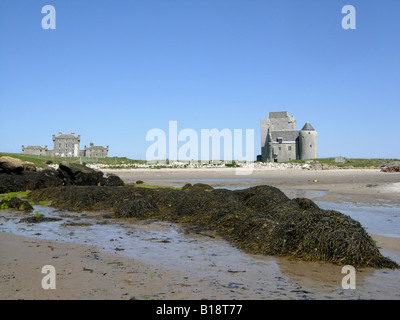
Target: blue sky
(113, 70)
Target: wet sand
(91, 272)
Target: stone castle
(67, 145)
(281, 141)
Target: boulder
(29, 166)
(11, 165)
(28, 180)
(112, 180)
(390, 166)
(16, 175)
(16, 203)
(201, 186)
(79, 174)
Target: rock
(29, 166)
(38, 219)
(13, 178)
(112, 180)
(16, 203)
(201, 186)
(10, 165)
(390, 166)
(50, 171)
(139, 182)
(28, 180)
(78, 174)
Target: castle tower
(308, 142)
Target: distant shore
(352, 185)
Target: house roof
(308, 127)
(286, 135)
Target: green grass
(44, 203)
(20, 194)
(357, 163)
(119, 162)
(41, 161)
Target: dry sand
(89, 272)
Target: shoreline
(89, 272)
(370, 186)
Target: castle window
(289, 148)
(310, 145)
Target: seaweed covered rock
(201, 186)
(16, 175)
(112, 180)
(260, 219)
(28, 180)
(79, 174)
(16, 203)
(38, 218)
(138, 207)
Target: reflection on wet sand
(203, 254)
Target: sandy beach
(93, 271)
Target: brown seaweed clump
(261, 219)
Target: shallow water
(208, 256)
(384, 221)
(163, 244)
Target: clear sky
(114, 69)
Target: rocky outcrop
(16, 203)
(15, 175)
(201, 186)
(79, 174)
(11, 165)
(261, 220)
(27, 180)
(390, 166)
